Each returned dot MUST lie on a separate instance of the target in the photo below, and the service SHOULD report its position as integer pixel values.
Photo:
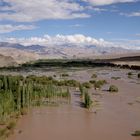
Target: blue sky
(111, 20)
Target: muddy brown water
(115, 118)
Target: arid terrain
(69, 69)
(113, 116)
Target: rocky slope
(7, 61)
(20, 56)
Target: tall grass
(86, 98)
(18, 93)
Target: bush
(92, 81)
(72, 83)
(24, 111)
(11, 125)
(136, 133)
(138, 75)
(102, 82)
(94, 76)
(99, 84)
(113, 88)
(86, 85)
(129, 74)
(3, 132)
(65, 75)
(87, 101)
(81, 88)
(115, 78)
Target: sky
(103, 22)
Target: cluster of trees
(81, 63)
(18, 93)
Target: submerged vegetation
(18, 93)
(94, 76)
(130, 74)
(87, 100)
(115, 78)
(98, 84)
(86, 85)
(138, 75)
(85, 96)
(64, 75)
(82, 90)
(136, 133)
(113, 88)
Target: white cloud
(133, 14)
(107, 2)
(76, 25)
(6, 28)
(35, 10)
(77, 39)
(96, 9)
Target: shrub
(50, 78)
(86, 85)
(81, 88)
(92, 81)
(113, 88)
(87, 101)
(115, 78)
(138, 75)
(94, 76)
(129, 74)
(102, 82)
(65, 75)
(72, 83)
(136, 133)
(23, 111)
(3, 132)
(11, 125)
(99, 84)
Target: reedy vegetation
(86, 98)
(18, 93)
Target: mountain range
(18, 53)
